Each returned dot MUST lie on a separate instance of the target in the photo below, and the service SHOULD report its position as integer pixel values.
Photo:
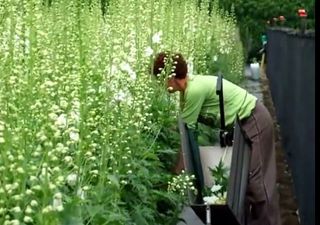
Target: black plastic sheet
(291, 74)
(232, 213)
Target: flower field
(87, 136)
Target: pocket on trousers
(255, 189)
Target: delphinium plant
(83, 132)
(217, 194)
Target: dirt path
(288, 205)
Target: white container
(210, 157)
(255, 71)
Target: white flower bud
(34, 203)
(72, 179)
(27, 219)
(28, 210)
(16, 209)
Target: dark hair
(180, 65)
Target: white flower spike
(156, 38)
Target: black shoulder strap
(219, 92)
(225, 136)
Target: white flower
(58, 195)
(133, 75)
(125, 67)
(114, 69)
(33, 178)
(49, 83)
(74, 136)
(14, 222)
(57, 134)
(88, 154)
(36, 187)
(10, 157)
(34, 203)
(47, 209)
(63, 104)
(2, 140)
(215, 58)
(216, 188)
(17, 197)
(28, 210)
(75, 116)
(53, 116)
(61, 121)
(86, 188)
(20, 170)
(27, 219)
(76, 103)
(57, 204)
(95, 172)
(1, 126)
(16, 209)
(210, 199)
(120, 96)
(68, 159)
(124, 182)
(81, 193)
(29, 192)
(156, 38)
(44, 173)
(72, 179)
(148, 51)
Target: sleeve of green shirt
(192, 106)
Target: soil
(288, 204)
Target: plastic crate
(196, 162)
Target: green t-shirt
(200, 98)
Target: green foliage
(252, 17)
(80, 116)
(220, 176)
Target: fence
(291, 74)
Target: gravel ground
(288, 204)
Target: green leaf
(114, 180)
(71, 215)
(139, 219)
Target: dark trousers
(262, 201)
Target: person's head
(174, 69)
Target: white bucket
(255, 71)
(210, 157)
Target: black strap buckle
(226, 136)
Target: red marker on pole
(302, 13)
(282, 19)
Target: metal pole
(303, 23)
(208, 212)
